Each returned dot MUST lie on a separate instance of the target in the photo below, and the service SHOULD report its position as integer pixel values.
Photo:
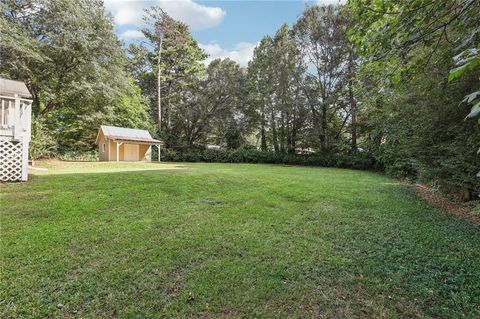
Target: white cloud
(242, 53)
(131, 34)
(128, 14)
(196, 16)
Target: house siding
(113, 151)
(103, 156)
(145, 152)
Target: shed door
(130, 152)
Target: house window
(103, 148)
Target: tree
(260, 88)
(215, 108)
(415, 130)
(224, 89)
(71, 53)
(161, 26)
(288, 68)
(321, 34)
(176, 60)
(131, 109)
(411, 38)
(72, 62)
(393, 31)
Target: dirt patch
(446, 205)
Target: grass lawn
(170, 240)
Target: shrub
(356, 161)
(91, 156)
(43, 143)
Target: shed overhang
(135, 140)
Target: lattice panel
(10, 161)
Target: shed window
(103, 147)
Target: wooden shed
(125, 144)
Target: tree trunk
(323, 128)
(293, 144)
(274, 132)
(353, 111)
(159, 91)
(263, 142)
(289, 133)
(353, 104)
(282, 134)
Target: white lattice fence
(10, 161)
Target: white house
(125, 144)
(15, 130)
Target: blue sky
(229, 28)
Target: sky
(224, 29)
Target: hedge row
(355, 161)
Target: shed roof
(127, 134)
(11, 87)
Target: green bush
(43, 143)
(91, 156)
(356, 161)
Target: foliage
(43, 143)
(476, 210)
(356, 161)
(321, 34)
(91, 156)
(468, 60)
(215, 107)
(74, 66)
(392, 31)
(223, 94)
(179, 63)
(414, 120)
(78, 61)
(79, 131)
(175, 240)
(259, 88)
(416, 128)
(130, 109)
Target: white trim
(24, 161)
(15, 97)
(118, 150)
(159, 152)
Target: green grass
(149, 240)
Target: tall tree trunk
(263, 138)
(293, 144)
(274, 132)
(282, 133)
(289, 132)
(159, 90)
(323, 128)
(353, 111)
(167, 109)
(353, 104)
